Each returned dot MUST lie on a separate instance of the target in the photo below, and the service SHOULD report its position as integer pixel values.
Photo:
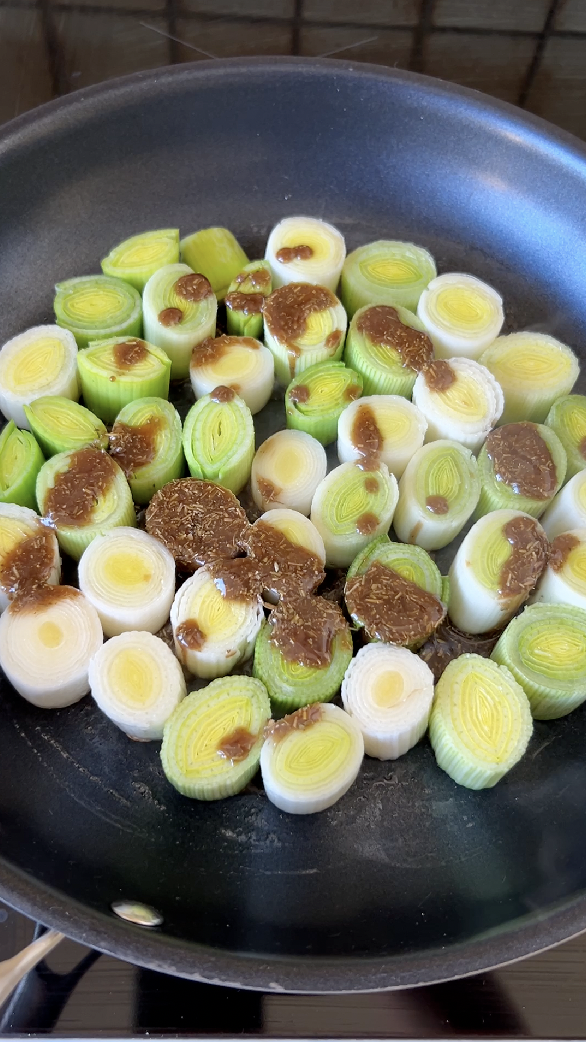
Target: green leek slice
(291, 685)
(567, 417)
(137, 258)
(315, 400)
(25, 541)
(245, 298)
(461, 313)
(351, 507)
(239, 362)
(20, 461)
(305, 249)
(380, 365)
(480, 722)
(178, 315)
(385, 272)
(466, 410)
(564, 579)
(304, 324)
(94, 307)
(496, 494)
(533, 370)
(218, 439)
(385, 426)
(216, 254)
(228, 716)
(438, 492)
(148, 427)
(59, 425)
(567, 510)
(287, 470)
(41, 361)
(545, 650)
(114, 372)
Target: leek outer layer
(480, 722)
(200, 731)
(462, 315)
(315, 400)
(495, 494)
(438, 492)
(218, 441)
(138, 257)
(197, 321)
(567, 417)
(545, 650)
(287, 470)
(385, 272)
(321, 340)
(567, 509)
(60, 425)
(351, 507)
(39, 362)
(400, 425)
(379, 365)
(467, 410)
(18, 525)
(20, 462)
(108, 386)
(243, 364)
(246, 321)
(168, 462)
(215, 253)
(566, 583)
(96, 307)
(533, 370)
(291, 685)
(324, 243)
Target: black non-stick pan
(409, 878)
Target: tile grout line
(538, 53)
(422, 29)
(296, 23)
(60, 82)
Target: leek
(311, 758)
(305, 249)
(216, 254)
(304, 324)
(287, 470)
(96, 307)
(438, 492)
(129, 577)
(137, 258)
(239, 362)
(388, 691)
(564, 579)
(212, 742)
(567, 510)
(522, 466)
(460, 400)
(292, 685)
(39, 362)
(351, 507)
(197, 521)
(245, 298)
(462, 314)
(60, 425)
(567, 418)
(386, 272)
(20, 462)
(533, 370)
(315, 400)
(385, 426)
(387, 346)
(297, 529)
(179, 312)
(137, 682)
(146, 443)
(114, 372)
(218, 439)
(545, 650)
(29, 552)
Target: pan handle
(13, 970)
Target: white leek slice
(533, 370)
(29, 552)
(464, 407)
(129, 577)
(351, 507)
(385, 272)
(480, 723)
(213, 633)
(239, 362)
(567, 510)
(137, 682)
(304, 324)
(461, 313)
(41, 361)
(438, 492)
(564, 579)
(305, 249)
(388, 691)
(485, 592)
(311, 758)
(179, 311)
(383, 425)
(286, 471)
(567, 417)
(48, 636)
(297, 528)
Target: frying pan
(408, 879)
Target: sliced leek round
(245, 297)
(239, 362)
(212, 741)
(460, 400)
(564, 579)
(386, 272)
(495, 569)
(287, 470)
(20, 462)
(533, 370)
(213, 633)
(114, 372)
(216, 254)
(129, 577)
(179, 312)
(545, 650)
(48, 636)
(197, 521)
(567, 510)
(522, 466)
(567, 417)
(137, 258)
(96, 307)
(304, 324)
(60, 425)
(388, 691)
(480, 722)
(461, 313)
(305, 249)
(218, 439)
(388, 346)
(83, 494)
(29, 552)
(146, 442)
(292, 685)
(315, 400)
(297, 528)
(39, 362)
(311, 758)
(385, 426)
(438, 492)
(351, 507)
(137, 682)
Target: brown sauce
(73, 497)
(29, 563)
(437, 504)
(448, 643)
(189, 636)
(522, 460)
(300, 394)
(371, 485)
(287, 254)
(170, 316)
(197, 521)
(365, 434)
(527, 559)
(130, 353)
(561, 548)
(135, 446)
(237, 579)
(37, 598)
(391, 608)
(439, 376)
(382, 325)
(282, 565)
(351, 393)
(303, 628)
(333, 339)
(367, 523)
(193, 287)
(268, 490)
(223, 395)
(259, 279)
(287, 309)
(237, 745)
(298, 721)
(247, 303)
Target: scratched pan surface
(408, 879)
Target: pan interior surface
(409, 878)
